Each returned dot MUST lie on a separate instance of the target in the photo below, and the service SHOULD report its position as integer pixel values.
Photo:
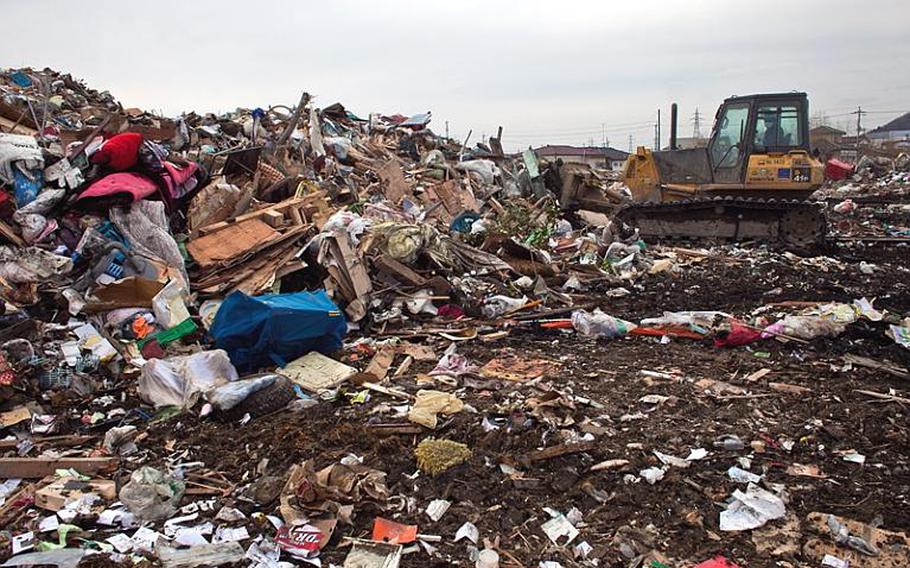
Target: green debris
(435, 456)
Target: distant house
(826, 134)
(897, 129)
(598, 157)
(827, 142)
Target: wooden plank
(56, 441)
(394, 186)
(36, 468)
(12, 127)
(273, 218)
(382, 360)
(885, 366)
(560, 450)
(789, 389)
(284, 205)
(10, 234)
(15, 505)
(54, 496)
(230, 242)
(399, 271)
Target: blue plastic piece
(275, 329)
(25, 188)
(21, 79)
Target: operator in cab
(773, 135)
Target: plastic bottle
(487, 558)
(730, 443)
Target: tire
(273, 397)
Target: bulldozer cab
(756, 124)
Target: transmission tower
(696, 129)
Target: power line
(581, 128)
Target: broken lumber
(398, 271)
(560, 450)
(36, 468)
(885, 366)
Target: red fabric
(717, 562)
(450, 311)
(119, 153)
(739, 335)
(116, 189)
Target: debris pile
(295, 335)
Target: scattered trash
(469, 531)
(436, 456)
(751, 509)
(244, 319)
(152, 495)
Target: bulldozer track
(729, 218)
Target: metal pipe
(673, 116)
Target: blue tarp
(277, 328)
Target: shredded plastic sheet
(145, 227)
(751, 509)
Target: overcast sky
(561, 72)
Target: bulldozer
(750, 182)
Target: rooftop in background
(900, 123)
(825, 129)
(595, 151)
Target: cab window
(726, 146)
(777, 126)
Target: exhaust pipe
(673, 113)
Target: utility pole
(447, 130)
(658, 130)
(859, 112)
(696, 130)
(630, 143)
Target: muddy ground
(678, 516)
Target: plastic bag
(18, 151)
(346, 221)
(226, 397)
(599, 324)
(145, 226)
(152, 495)
(695, 319)
(340, 146)
(486, 170)
(496, 306)
(805, 327)
(179, 381)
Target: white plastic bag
(226, 397)
(152, 495)
(599, 324)
(496, 306)
(179, 381)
